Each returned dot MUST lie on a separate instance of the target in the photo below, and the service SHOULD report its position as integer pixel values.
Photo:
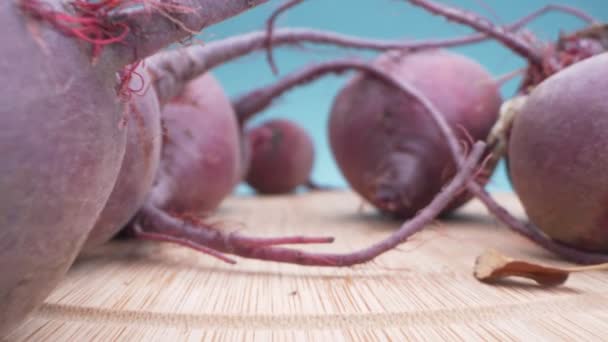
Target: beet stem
(561, 8)
(502, 79)
(158, 225)
(288, 240)
(161, 23)
(255, 101)
(269, 30)
(173, 69)
(470, 39)
(139, 233)
(479, 23)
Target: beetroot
(545, 60)
(61, 151)
(398, 160)
(62, 141)
(194, 92)
(200, 156)
(558, 156)
(139, 166)
(282, 157)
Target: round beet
(201, 156)
(138, 170)
(61, 150)
(282, 156)
(558, 156)
(61, 137)
(388, 147)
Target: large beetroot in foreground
(558, 155)
(388, 147)
(61, 139)
(61, 150)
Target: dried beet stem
(492, 266)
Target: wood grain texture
(136, 291)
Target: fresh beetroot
(398, 160)
(558, 156)
(201, 161)
(282, 157)
(545, 59)
(62, 139)
(61, 148)
(139, 166)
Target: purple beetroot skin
(139, 166)
(61, 150)
(201, 157)
(60, 135)
(558, 156)
(282, 156)
(387, 146)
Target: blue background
(396, 19)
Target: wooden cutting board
(145, 291)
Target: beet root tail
(155, 224)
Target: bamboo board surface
(132, 291)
